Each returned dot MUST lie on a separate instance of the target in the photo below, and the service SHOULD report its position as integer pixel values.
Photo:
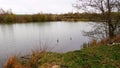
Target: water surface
(54, 36)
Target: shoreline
(94, 56)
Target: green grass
(94, 57)
(91, 57)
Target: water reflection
(57, 36)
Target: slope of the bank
(91, 57)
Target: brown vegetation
(13, 63)
(115, 40)
(32, 62)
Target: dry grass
(32, 62)
(115, 40)
(13, 63)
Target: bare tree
(106, 8)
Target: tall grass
(37, 57)
(115, 40)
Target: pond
(22, 38)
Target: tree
(106, 8)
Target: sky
(38, 6)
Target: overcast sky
(36, 6)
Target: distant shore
(9, 17)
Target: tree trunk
(110, 25)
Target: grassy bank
(91, 57)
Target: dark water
(53, 36)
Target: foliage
(109, 10)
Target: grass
(91, 57)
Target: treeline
(87, 16)
(36, 18)
(81, 17)
(9, 17)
